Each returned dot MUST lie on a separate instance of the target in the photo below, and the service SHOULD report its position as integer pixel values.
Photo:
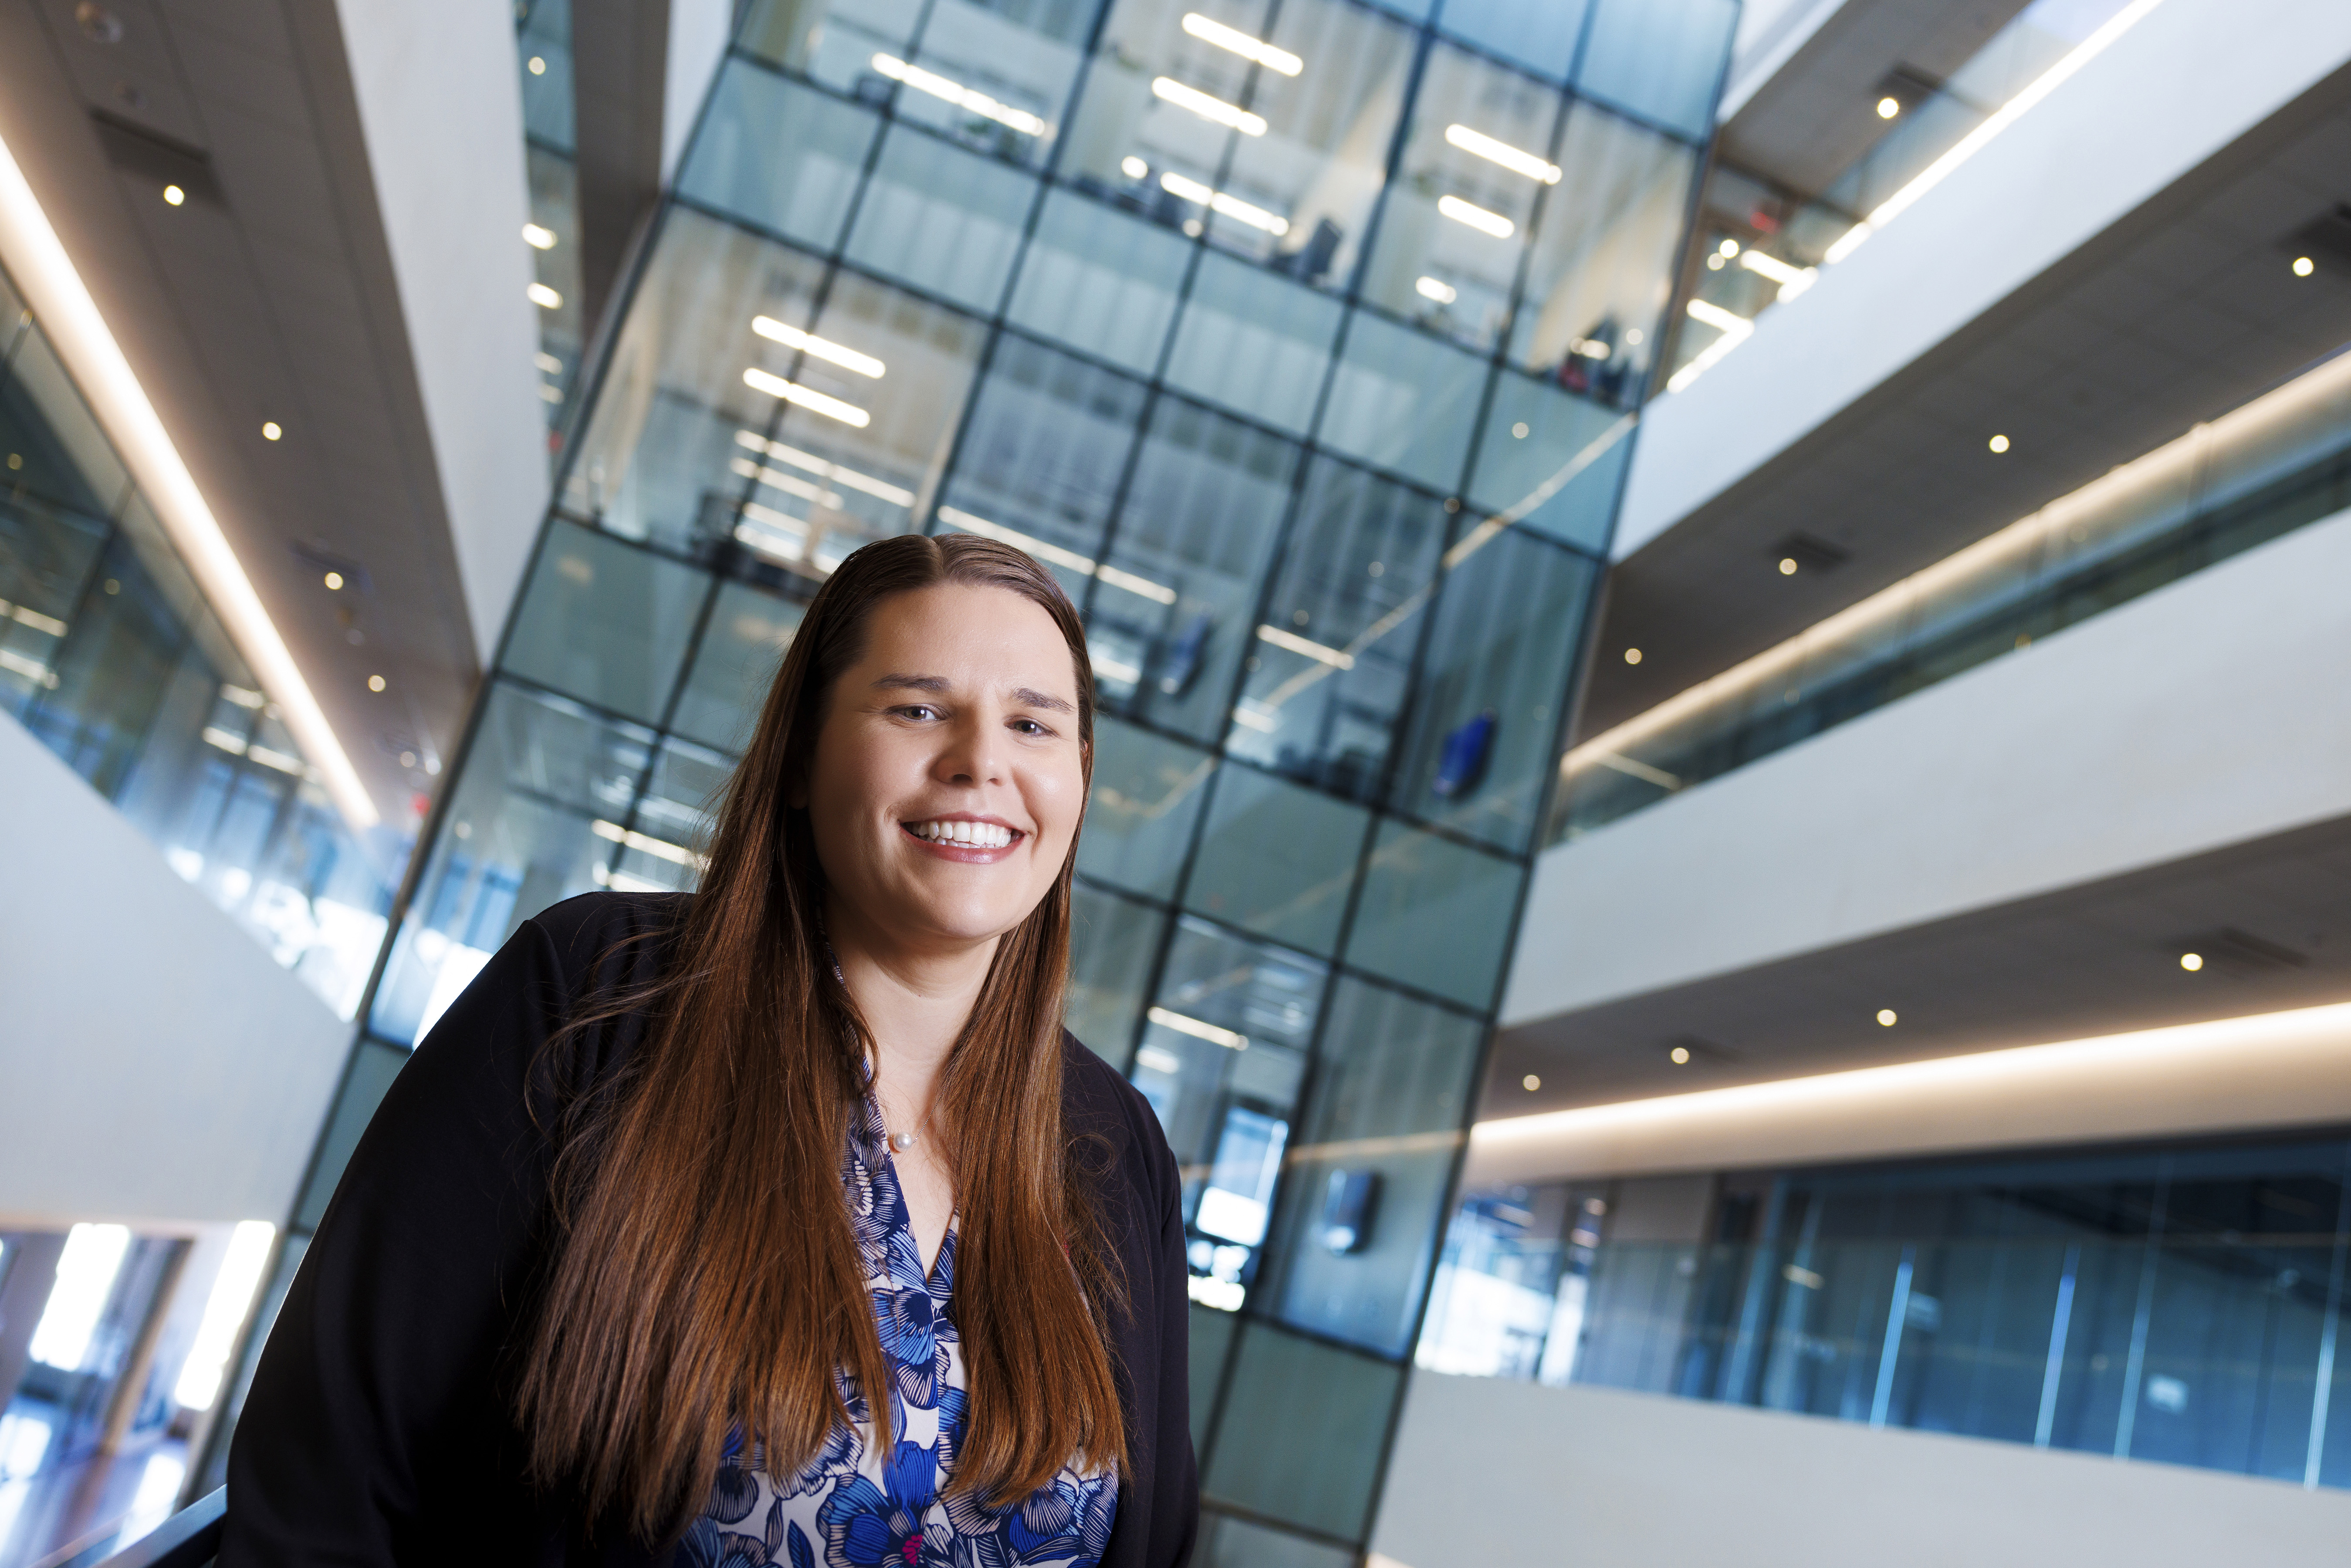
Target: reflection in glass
(1660, 58)
(1113, 943)
(1327, 674)
(942, 220)
(1541, 35)
(1300, 1440)
(742, 644)
(996, 77)
(1170, 615)
(833, 42)
(1147, 793)
(1100, 281)
(1252, 343)
(778, 155)
(1552, 461)
(1433, 915)
(1277, 859)
(1403, 402)
(1509, 621)
(605, 621)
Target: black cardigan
(377, 1430)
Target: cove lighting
(1502, 152)
(1173, 91)
(1217, 201)
(1477, 217)
(962, 97)
(1183, 1023)
(543, 297)
(1433, 288)
(767, 327)
(538, 238)
(55, 292)
(849, 414)
(2008, 114)
(1241, 44)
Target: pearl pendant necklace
(901, 1142)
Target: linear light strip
(774, 385)
(962, 97)
(1207, 107)
(1241, 44)
(1518, 162)
(1184, 1023)
(1475, 216)
(69, 316)
(848, 359)
(1231, 206)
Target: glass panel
(1364, 1201)
(742, 644)
(1146, 796)
(1434, 915)
(554, 207)
(1552, 461)
(1455, 220)
(1211, 1337)
(833, 42)
(778, 155)
(1601, 249)
(109, 676)
(538, 808)
(1403, 402)
(54, 444)
(1229, 1543)
(1157, 114)
(1276, 859)
(1013, 63)
(1100, 281)
(1540, 35)
(1042, 455)
(545, 76)
(677, 436)
(857, 449)
(46, 557)
(1302, 194)
(1327, 673)
(1254, 342)
(1114, 942)
(605, 621)
(665, 832)
(1660, 58)
(1172, 606)
(1303, 1430)
(1507, 623)
(373, 1066)
(1222, 1058)
(941, 220)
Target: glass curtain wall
(550, 157)
(110, 657)
(1302, 340)
(2185, 1304)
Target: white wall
(441, 111)
(2191, 78)
(156, 1067)
(1486, 1472)
(2207, 713)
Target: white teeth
(979, 835)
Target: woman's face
(947, 784)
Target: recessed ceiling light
(2302, 267)
(1888, 108)
(1997, 444)
(334, 582)
(408, 760)
(543, 297)
(538, 237)
(1728, 247)
(1530, 1082)
(1133, 168)
(1885, 1016)
(537, 66)
(271, 430)
(1787, 566)
(375, 682)
(1680, 1054)
(1518, 431)
(2191, 962)
(174, 195)
(1632, 656)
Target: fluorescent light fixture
(1735, 331)
(85, 1271)
(823, 348)
(789, 484)
(2263, 424)
(1313, 650)
(824, 468)
(1085, 566)
(50, 625)
(536, 237)
(849, 414)
(962, 97)
(1241, 44)
(1793, 280)
(1502, 152)
(66, 313)
(1158, 1059)
(1477, 217)
(1231, 206)
(1184, 1023)
(543, 297)
(1133, 168)
(232, 1297)
(1436, 288)
(660, 849)
(1205, 107)
(2008, 114)
(225, 740)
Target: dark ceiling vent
(2326, 239)
(2243, 952)
(152, 158)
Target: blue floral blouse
(852, 1507)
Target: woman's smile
(960, 836)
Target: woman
(781, 1222)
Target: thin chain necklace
(901, 1142)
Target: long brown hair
(705, 1273)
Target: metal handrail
(189, 1539)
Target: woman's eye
(1030, 726)
(918, 710)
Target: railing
(2270, 467)
(2215, 1350)
(189, 1539)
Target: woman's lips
(966, 854)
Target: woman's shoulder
(590, 935)
(1097, 1099)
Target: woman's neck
(915, 999)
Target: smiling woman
(783, 1219)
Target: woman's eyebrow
(1026, 697)
(936, 684)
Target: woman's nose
(973, 755)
